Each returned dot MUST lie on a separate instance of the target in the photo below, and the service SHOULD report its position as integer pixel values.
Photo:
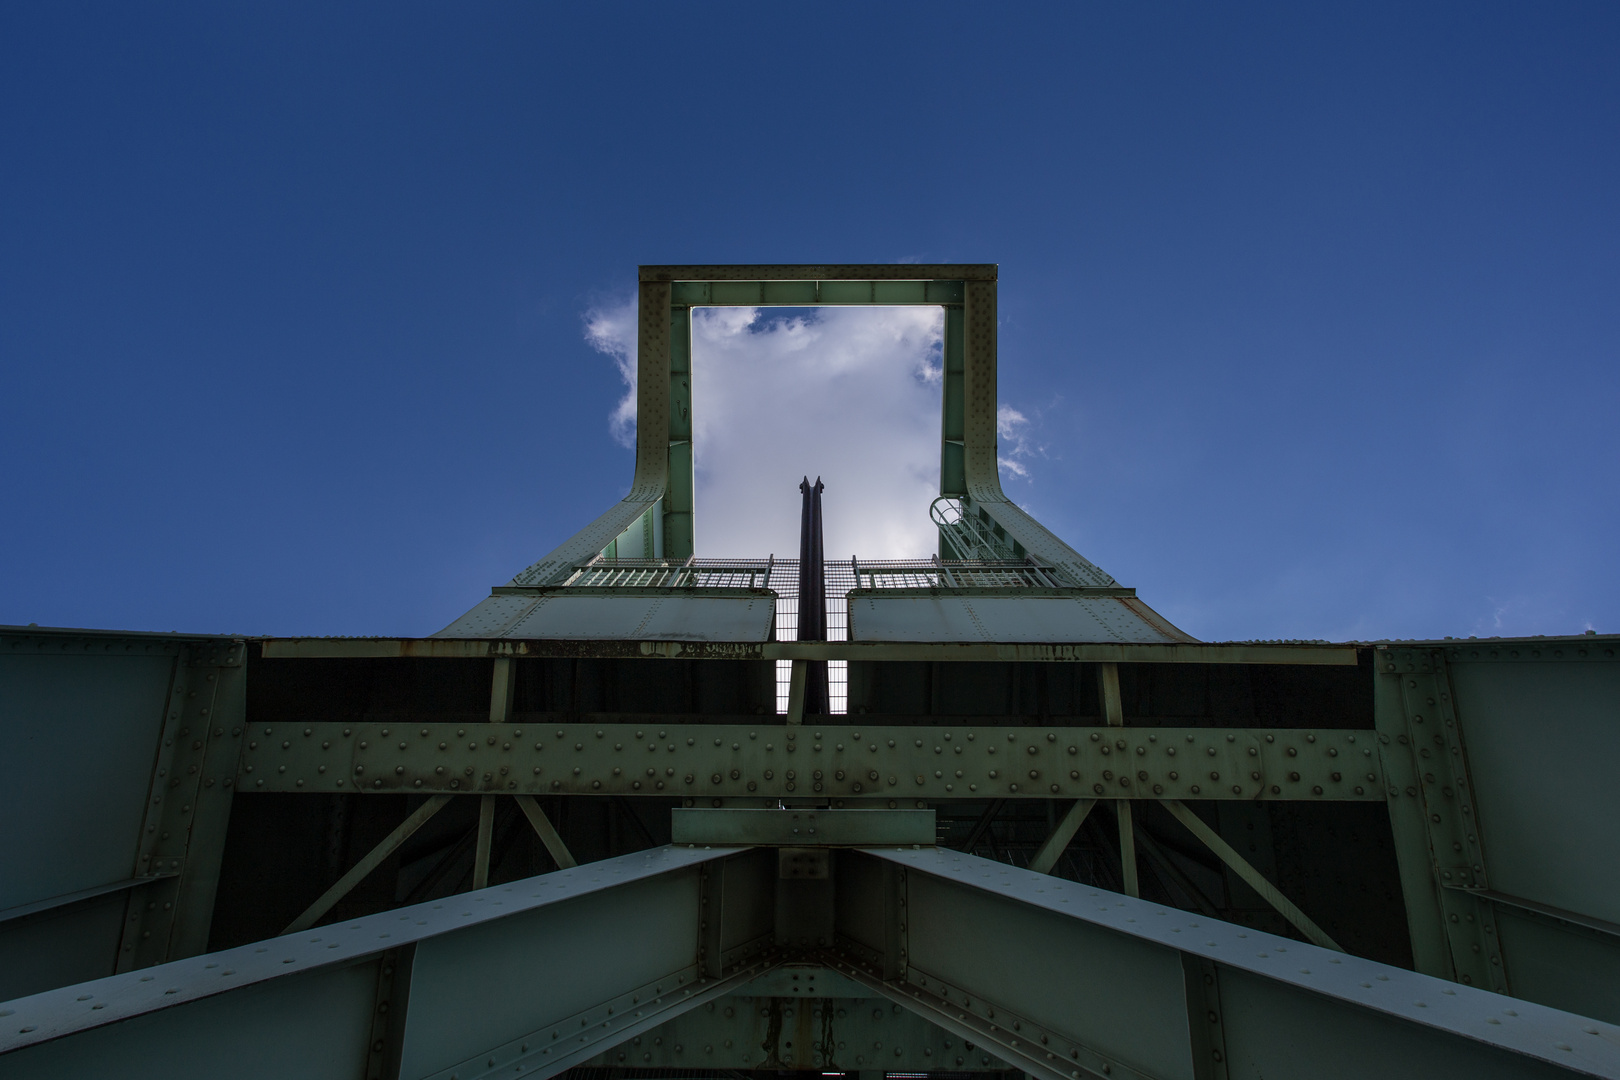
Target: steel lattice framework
(580, 830)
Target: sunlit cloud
(1013, 446)
(848, 394)
(612, 331)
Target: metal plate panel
(311, 1026)
(71, 944)
(576, 953)
(71, 1011)
(943, 616)
(1468, 1026)
(491, 617)
(1274, 1031)
(842, 760)
(1561, 965)
(1542, 740)
(1052, 970)
(668, 617)
(91, 714)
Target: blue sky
(1312, 313)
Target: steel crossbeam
(464, 648)
(1061, 980)
(843, 761)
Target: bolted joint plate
(802, 828)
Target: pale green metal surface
(1506, 822)
(311, 1026)
(466, 989)
(123, 873)
(1048, 976)
(68, 699)
(827, 828)
(1058, 975)
(1002, 615)
(451, 648)
(714, 760)
(637, 614)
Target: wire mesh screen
(784, 580)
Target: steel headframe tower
(573, 830)
(658, 515)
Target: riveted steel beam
(824, 272)
(844, 761)
(1431, 807)
(814, 293)
(623, 933)
(1059, 979)
(457, 648)
(801, 827)
(1067, 981)
(1499, 761)
(189, 806)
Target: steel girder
(842, 761)
(1059, 979)
(540, 974)
(1239, 652)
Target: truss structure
(579, 831)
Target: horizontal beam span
(769, 827)
(821, 272)
(846, 760)
(966, 652)
(813, 293)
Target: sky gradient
(1311, 315)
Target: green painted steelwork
(737, 827)
(664, 427)
(1051, 977)
(534, 756)
(122, 874)
(1507, 824)
(878, 652)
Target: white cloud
(612, 330)
(847, 394)
(1013, 448)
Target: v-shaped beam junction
(1055, 978)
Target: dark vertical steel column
(812, 594)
